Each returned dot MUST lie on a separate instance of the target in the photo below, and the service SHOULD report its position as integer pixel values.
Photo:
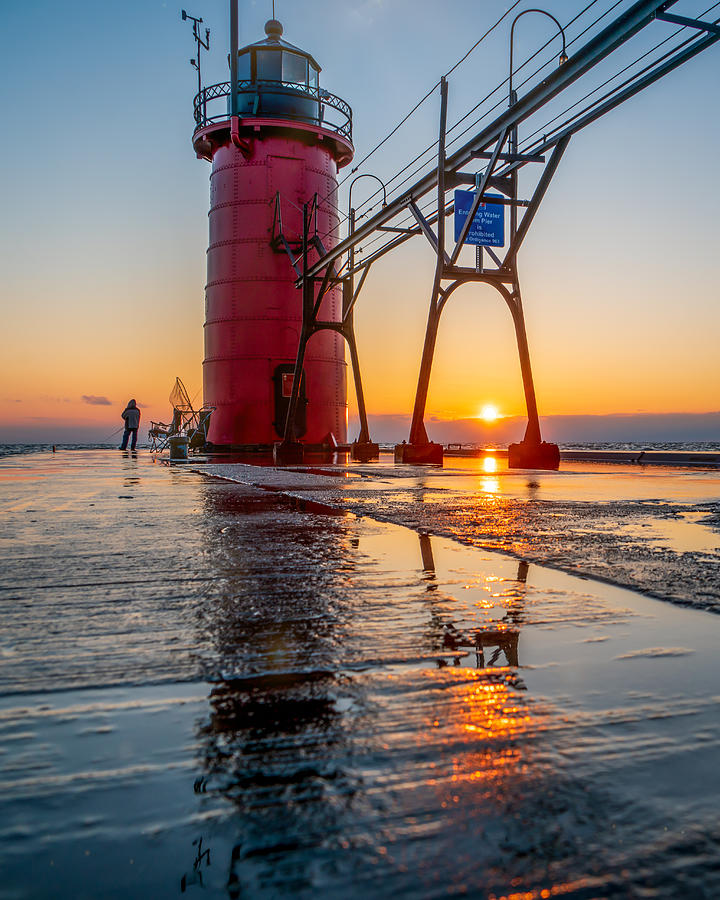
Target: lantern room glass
(244, 67)
(294, 68)
(268, 65)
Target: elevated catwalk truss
(489, 161)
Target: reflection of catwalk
(503, 639)
(307, 725)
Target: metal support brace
(426, 229)
(323, 287)
(711, 27)
(537, 197)
(288, 250)
(408, 231)
(347, 311)
(452, 179)
(311, 304)
(509, 157)
(493, 255)
(479, 195)
(278, 241)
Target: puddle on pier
(653, 529)
(290, 704)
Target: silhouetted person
(131, 415)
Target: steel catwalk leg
(419, 449)
(364, 436)
(428, 562)
(291, 450)
(363, 449)
(418, 434)
(532, 452)
(532, 432)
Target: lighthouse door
(283, 381)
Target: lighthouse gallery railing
(275, 99)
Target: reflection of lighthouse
(283, 147)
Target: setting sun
(489, 412)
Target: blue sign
(488, 226)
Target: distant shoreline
(613, 449)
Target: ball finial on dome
(273, 29)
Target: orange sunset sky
(104, 224)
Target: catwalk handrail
(626, 26)
(676, 57)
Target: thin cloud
(95, 401)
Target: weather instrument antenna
(201, 44)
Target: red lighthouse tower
(274, 147)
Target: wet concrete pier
(213, 688)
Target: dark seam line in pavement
(195, 678)
(33, 559)
(46, 587)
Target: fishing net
(179, 398)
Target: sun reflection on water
(557, 890)
(487, 729)
(490, 485)
(489, 464)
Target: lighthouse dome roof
(274, 41)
